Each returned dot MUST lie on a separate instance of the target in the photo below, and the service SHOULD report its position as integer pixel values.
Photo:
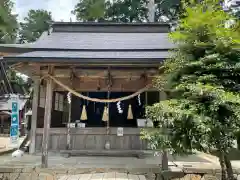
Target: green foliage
(202, 80)
(89, 10)
(170, 9)
(8, 22)
(34, 25)
(16, 78)
(124, 11)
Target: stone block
(59, 170)
(82, 171)
(173, 172)
(150, 176)
(191, 177)
(25, 176)
(195, 170)
(7, 170)
(28, 169)
(5, 176)
(209, 177)
(14, 176)
(120, 170)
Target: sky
(61, 9)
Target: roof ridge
(110, 27)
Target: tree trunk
(228, 167)
(223, 166)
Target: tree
(202, 81)
(89, 10)
(233, 6)
(124, 11)
(8, 22)
(167, 10)
(15, 78)
(36, 22)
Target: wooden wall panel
(92, 139)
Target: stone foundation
(26, 173)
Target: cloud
(61, 9)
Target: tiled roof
(81, 41)
(93, 41)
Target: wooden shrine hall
(92, 82)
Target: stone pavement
(103, 176)
(5, 144)
(148, 166)
(65, 168)
(56, 160)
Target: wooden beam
(94, 84)
(64, 64)
(34, 113)
(47, 119)
(30, 71)
(99, 73)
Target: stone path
(5, 144)
(103, 176)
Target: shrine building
(92, 82)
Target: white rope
(96, 99)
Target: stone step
(108, 153)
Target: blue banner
(14, 119)
(14, 130)
(15, 108)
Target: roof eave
(103, 61)
(14, 49)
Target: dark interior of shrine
(118, 117)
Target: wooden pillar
(2, 124)
(68, 124)
(47, 119)
(34, 114)
(69, 146)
